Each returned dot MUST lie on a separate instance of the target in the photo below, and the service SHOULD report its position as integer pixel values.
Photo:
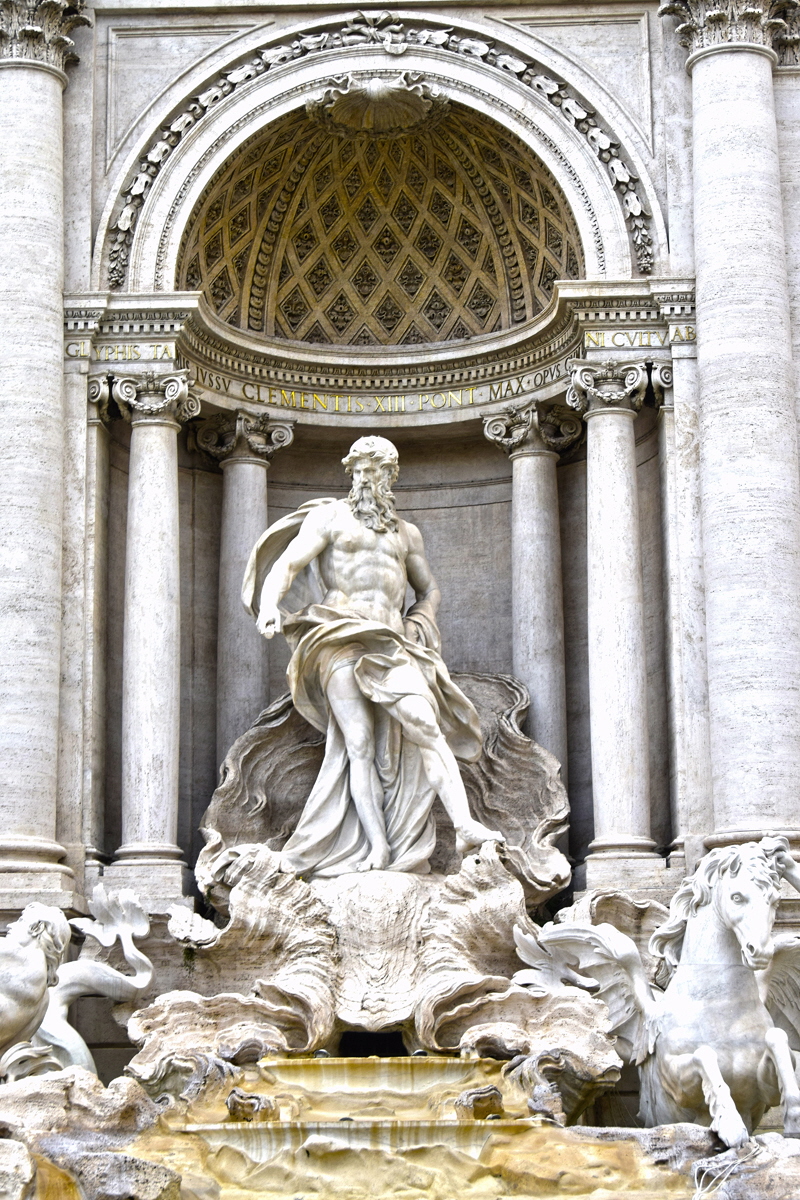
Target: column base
(628, 865)
(156, 873)
(736, 837)
(31, 872)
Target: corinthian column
(749, 476)
(532, 438)
(609, 395)
(33, 48)
(244, 447)
(149, 855)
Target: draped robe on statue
(329, 838)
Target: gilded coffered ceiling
(450, 230)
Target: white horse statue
(716, 1046)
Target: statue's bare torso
(366, 571)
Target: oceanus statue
(717, 1042)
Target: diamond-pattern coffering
(446, 234)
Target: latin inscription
(645, 339)
(121, 352)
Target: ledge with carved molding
(228, 436)
(155, 398)
(709, 24)
(611, 385)
(533, 429)
(37, 31)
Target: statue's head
(48, 927)
(378, 451)
(372, 461)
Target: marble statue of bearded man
(333, 576)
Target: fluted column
(609, 395)
(749, 476)
(532, 439)
(33, 48)
(149, 855)
(244, 446)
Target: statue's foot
(474, 834)
(791, 1121)
(377, 860)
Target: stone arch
(441, 233)
(605, 188)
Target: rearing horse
(716, 1046)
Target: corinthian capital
(155, 397)
(598, 387)
(708, 23)
(37, 30)
(240, 435)
(533, 429)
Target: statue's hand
(268, 622)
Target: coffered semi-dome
(315, 234)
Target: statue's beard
(373, 505)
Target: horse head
(742, 883)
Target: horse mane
(697, 891)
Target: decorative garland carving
(533, 429)
(37, 30)
(223, 434)
(395, 37)
(150, 395)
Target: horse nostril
(751, 948)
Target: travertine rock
(74, 1099)
(106, 1175)
(17, 1172)
(768, 1168)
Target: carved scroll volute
(598, 387)
(241, 435)
(533, 429)
(155, 397)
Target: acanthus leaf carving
(38, 30)
(705, 24)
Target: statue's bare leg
(783, 1061)
(353, 714)
(441, 769)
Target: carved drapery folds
(533, 429)
(225, 435)
(37, 30)
(705, 24)
(151, 396)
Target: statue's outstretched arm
(306, 546)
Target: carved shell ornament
(378, 107)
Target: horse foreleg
(783, 1061)
(726, 1120)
